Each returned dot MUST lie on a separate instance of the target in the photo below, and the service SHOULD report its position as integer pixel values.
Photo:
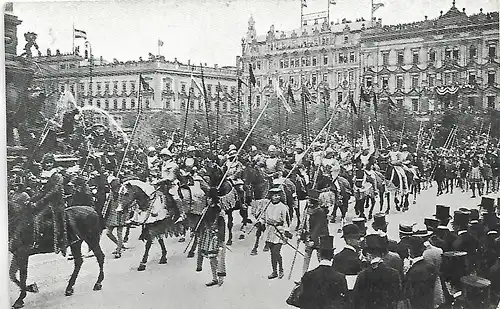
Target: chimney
(189, 62)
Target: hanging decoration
(443, 90)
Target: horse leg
(381, 198)
(142, 265)
(163, 259)
(230, 228)
(406, 203)
(244, 216)
(76, 251)
(256, 244)
(371, 201)
(388, 202)
(22, 263)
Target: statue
(49, 52)
(30, 38)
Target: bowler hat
(374, 243)
(487, 203)
(350, 231)
(442, 212)
(326, 243)
(431, 223)
(379, 221)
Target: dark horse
(231, 199)
(82, 223)
(153, 214)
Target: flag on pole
(290, 94)
(160, 43)
(144, 84)
(353, 105)
(376, 6)
(304, 3)
(252, 77)
(281, 97)
(195, 83)
(364, 141)
(333, 2)
(80, 34)
(241, 82)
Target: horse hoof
(141, 267)
(69, 292)
(242, 237)
(18, 304)
(253, 252)
(97, 286)
(163, 261)
(33, 288)
(190, 255)
(229, 242)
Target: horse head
(129, 194)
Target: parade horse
(363, 189)
(396, 185)
(82, 224)
(154, 213)
(380, 187)
(230, 198)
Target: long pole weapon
(184, 129)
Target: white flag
(281, 96)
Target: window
(258, 65)
(351, 77)
(414, 81)
(98, 103)
(303, 61)
(258, 82)
(314, 61)
(472, 52)
(325, 77)
(368, 81)
(132, 86)
(447, 53)
(286, 63)
(72, 89)
(308, 61)
(352, 57)
(447, 78)
(399, 82)
(491, 78)
(491, 102)
(432, 56)
(385, 59)
(209, 89)
(385, 82)
(346, 39)
(339, 77)
(281, 81)
(472, 78)
(191, 104)
(292, 63)
(62, 87)
(270, 81)
(281, 64)
(167, 104)
(492, 51)
(415, 57)
(314, 79)
(399, 102)
(342, 58)
(132, 103)
(124, 104)
(115, 104)
(432, 78)
(91, 102)
(106, 86)
(81, 87)
(414, 104)
(339, 96)
(456, 53)
(124, 86)
(115, 85)
(106, 104)
(471, 102)
(183, 87)
(325, 60)
(257, 101)
(233, 90)
(400, 57)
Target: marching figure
(275, 220)
(212, 244)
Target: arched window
(472, 52)
(124, 104)
(106, 104)
(98, 103)
(115, 104)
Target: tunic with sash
(275, 219)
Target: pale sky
(207, 31)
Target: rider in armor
(191, 160)
(169, 169)
(233, 168)
(395, 159)
(51, 199)
(274, 165)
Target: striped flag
(80, 34)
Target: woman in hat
(275, 220)
(317, 227)
(212, 229)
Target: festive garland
(443, 90)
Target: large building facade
(114, 87)
(446, 62)
(450, 60)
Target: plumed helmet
(165, 152)
(271, 148)
(151, 149)
(232, 147)
(404, 146)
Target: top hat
(474, 214)
(461, 218)
(313, 194)
(379, 221)
(487, 203)
(326, 243)
(350, 231)
(431, 223)
(454, 266)
(374, 243)
(442, 212)
(405, 229)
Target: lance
(402, 132)
(184, 129)
(449, 135)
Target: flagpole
(217, 120)
(371, 14)
(73, 49)
(301, 13)
(328, 13)
(206, 107)
(184, 129)
(280, 129)
(238, 105)
(250, 101)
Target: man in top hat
(490, 218)
(323, 287)
(420, 280)
(487, 253)
(275, 220)
(378, 286)
(465, 241)
(443, 214)
(316, 227)
(347, 261)
(379, 225)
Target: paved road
(177, 285)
